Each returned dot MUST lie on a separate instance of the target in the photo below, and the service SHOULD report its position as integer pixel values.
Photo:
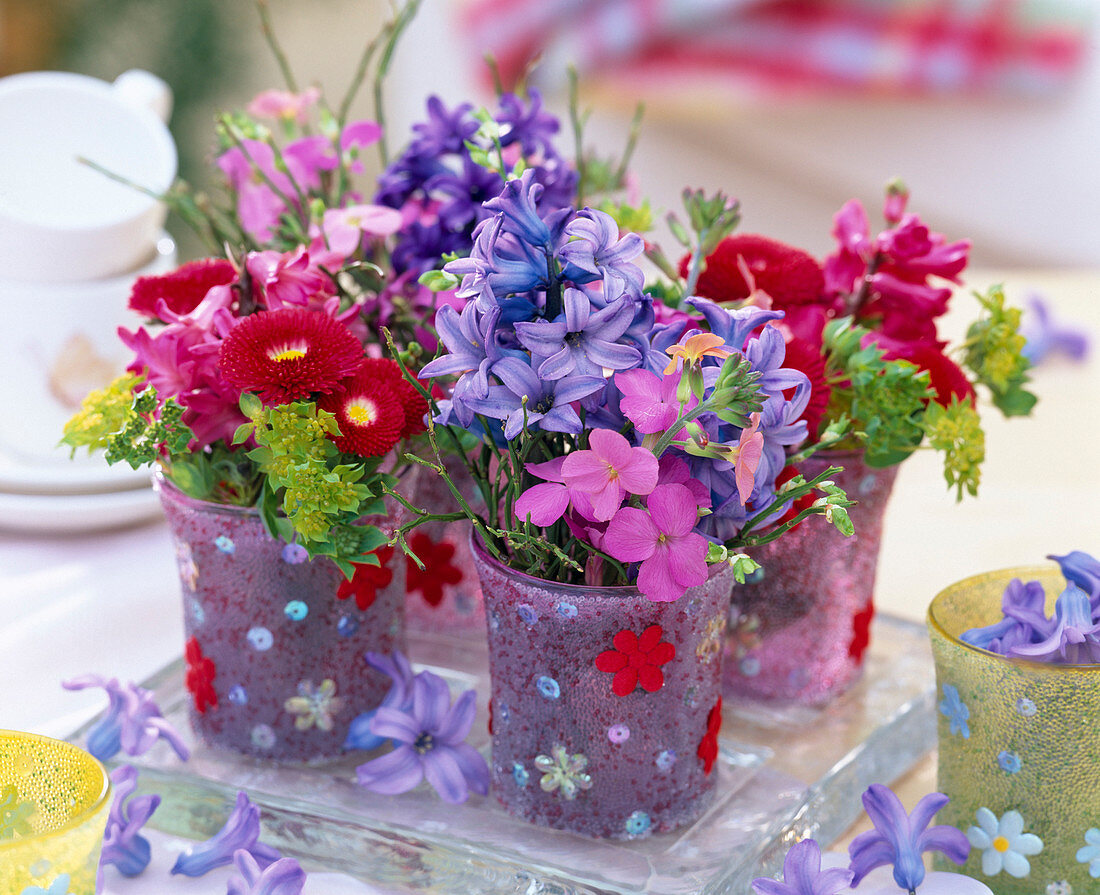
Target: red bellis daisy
(289, 354)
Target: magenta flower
(284, 877)
(608, 470)
(282, 104)
(241, 831)
(649, 401)
(431, 745)
(548, 501)
(672, 556)
(288, 279)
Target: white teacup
(61, 220)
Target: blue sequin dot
(637, 823)
(666, 759)
(347, 626)
(749, 666)
(505, 712)
(1009, 761)
(527, 613)
(238, 695)
(296, 610)
(618, 733)
(548, 687)
(198, 614)
(263, 737)
(225, 544)
(566, 610)
(294, 554)
(519, 774)
(260, 639)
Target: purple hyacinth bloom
(541, 403)
(900, 839)
(132, 723)
(122, 846)
(500, 264)
(467, 336)
(802, 874)
(241, 831)
(1083, 570)
(1045, 337)
(581, 340)
(595, 252)
(766, 354)
(518, 203)
(530, 126)
(1075, 638)
(432, 745)
(733, 325)
(397, 668)
(284, 877)
(444, 131)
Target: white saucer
(72, 513)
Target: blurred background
(987, 108)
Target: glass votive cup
(1019, 747)
(54, 799)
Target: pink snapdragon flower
(673, 556)
(288, 278)
(609, 470)
(284, 105)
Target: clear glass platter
(784, 773)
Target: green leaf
(1015, 402)
(251, 405)
(439, 280)
(243, 433)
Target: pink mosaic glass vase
(444, 598)
(798, 631)
(605, 707)
(275, 641)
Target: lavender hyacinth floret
(132, 723)
(122, 845)
(802, 874)
(398, 669)
(284, 877)
(241, 831)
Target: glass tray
(784, 773)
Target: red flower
(288, 354)
(414, 405)
(708, 745)
(944, 374)
(788, 275)
(367, 579)
(637, 660)
(199, 677)
(861, 632)
(437, 568)
(182, 289)
(368, 412)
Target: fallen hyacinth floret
(284, 877)
(397, 668)
(122, 845)
(133, 722)
(241, 831)
(802, 874)
(1071, 636)
(430, 744)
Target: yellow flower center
(1000, 844)
(362, 412)
(286, 352)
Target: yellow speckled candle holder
(54, 800)
(1019, 748)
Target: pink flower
(284, 104)
(608, 470)
(288, 278)
(548, 501)
(746, 459)
(356, 137)
(343, 228)
(675, 471)
(649, 401)
(673, 556)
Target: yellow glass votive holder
(1019, 748)
(54, 799)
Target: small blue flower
(260, 639)
(225, 544)
(294, 554)
(347, 626)
(955, 710)
(60, 886)
(666, 759)
(1009, 762)
(296, 610)
(519, 774)
(263, 737)
(566, 610)
(527, 613)
(637, 823)
(1026, 707)
(1003, 843)
(238, 695)
(749, 666)
(1090, 853)
(548, 687)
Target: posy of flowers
(862, 326)
(618, 440)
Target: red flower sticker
(637, 660)
(708, 746)
(199, 677)
(861, 632)
(367, 579)
(438, 570)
